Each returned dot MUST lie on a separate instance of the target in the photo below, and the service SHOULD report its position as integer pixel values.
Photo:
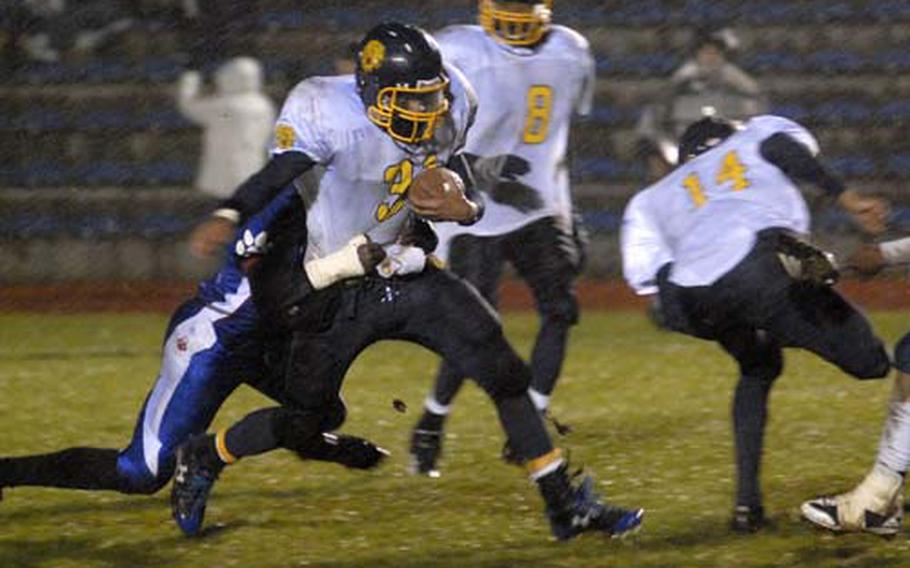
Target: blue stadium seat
(613, 115)
(168, 119)
(106, 71)
(103, 119)
(842, 112)
(900, 219)
(893, 61)
(157, 70)
(104, 173)
(158, 225)
(895, 111)
(793, 110)
(597, 168)
(898, 165)
(773, 61)
(42, 174)
(47, 73)
(835, 62)
(602, 221)
(41, 119)
(887, 11)
(853, 166)
(164, 173)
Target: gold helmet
(402, 82)
(516, 22)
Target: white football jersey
(704, 216)
(527, 99)
(364, 173)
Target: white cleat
(874, 506)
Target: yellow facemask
(410, 114)
(515, 28)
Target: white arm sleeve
(644, 250)
(897, 251)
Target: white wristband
(896, 252)
(231, 215)
(345, 263)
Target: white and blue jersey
(211, 346)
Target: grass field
(650, 412)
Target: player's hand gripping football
(210, 236)
(870, 213)
(437, 194)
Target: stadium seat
(851, 166)
(840, 112)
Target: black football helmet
(702, 135)
(517, 28)
(402, 82)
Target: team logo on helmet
(372, 56)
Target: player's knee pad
(902, 354)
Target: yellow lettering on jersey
(733, 170)
(537, 123)
(693, 185)
(398, 177)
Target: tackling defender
(718, 240)
(531, 78)
(213, 344)
(404, 111)
(876, 505)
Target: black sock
(256, 433)
(431, 421)
(73, 468)
(527, 434)
(750, 410)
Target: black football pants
(435, 309)
(754, 311)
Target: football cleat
(426, 447)
(874, 506)
(747, 519)
(573, 510)
(193, 481)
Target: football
(431, 185)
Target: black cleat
(574, 509)
(193, 481)
(426, 447)
(747, 520)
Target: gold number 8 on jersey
(537, 123)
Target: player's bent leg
(547, 258)
(821, 320)
(469, 332)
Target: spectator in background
(709, 79)
(237, 120)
